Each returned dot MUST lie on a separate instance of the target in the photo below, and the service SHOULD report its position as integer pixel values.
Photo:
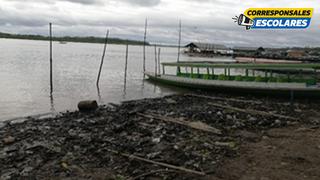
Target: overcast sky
(202, 20)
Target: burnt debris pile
(175, 137)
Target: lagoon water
(24, 75)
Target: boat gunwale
(300, 89)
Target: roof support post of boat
(198, 72)
(212, 71)
(253, 72)
(247, 72)
(266, 74)
(186, 69)
(225, 71)
(300, 73)
(155, 60)
(191, 72)
(159, 61)
(271, 73)
(208, 72)
(228, 72)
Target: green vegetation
(89, 39)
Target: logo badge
(275, 18)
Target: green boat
(205, 76)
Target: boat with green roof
(253, 78)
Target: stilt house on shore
(207, 48)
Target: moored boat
(203, 76)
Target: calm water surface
(24, 76)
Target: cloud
(145, 3)
(85, 2)
(203, 20)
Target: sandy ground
(281, 154)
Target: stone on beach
(89, 105)
(8, 140)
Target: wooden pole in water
(179, 44)
(103, 54)
(144, 45)
(50, 33)
(126, 63)
(155, 59)
(159, 63)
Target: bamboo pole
(131, 156)
(225, 99)
(159, 63)
(103, 54)
(144, 45)
(179, 44)
(194, 125)
(50, 33)
(126, 64)
(252, 111)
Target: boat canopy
(301, 66)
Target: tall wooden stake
(103, 54)
(144, 45)
(51, 83)
(126, 64)
(159, 63)
(155, 60)
(179, 44)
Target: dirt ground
(282, 154)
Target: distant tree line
(89, 39)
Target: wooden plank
(225, 99)
(252, 111)
(131, 156)
(195, 125)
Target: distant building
(208, 48)
(248, 51)
(295, 53)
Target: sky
(206, 21)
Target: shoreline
(188, 136)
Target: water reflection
(99, 95)
(124, 86)
(25, 92)
(52, 109)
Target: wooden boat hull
(287, 89)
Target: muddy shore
(189, 136)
